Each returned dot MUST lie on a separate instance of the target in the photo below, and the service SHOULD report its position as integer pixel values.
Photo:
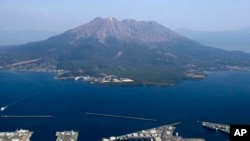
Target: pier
(117, 116)
(216, 126)
(26, 116)
(173, 124)
(162, 133)
(18, 135)
(67, 136)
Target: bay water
(222, 97)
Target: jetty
(26, 116)
(67, 136)
(118, 116)
(216, 126)
(162, 133)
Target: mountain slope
(146, 52)
(126, 30)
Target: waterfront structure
(162, 133)
(18, 135)
(67, 136)
(102, 78)
(118, 116)
(216, 126)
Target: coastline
(57, 73)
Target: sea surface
(223, 97)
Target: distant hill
(21, 37)
(244, 29)
(229, 40)
(144, 51)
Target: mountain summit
(143, 51)
(125, 30)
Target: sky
(62, 15)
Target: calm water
(223, 97)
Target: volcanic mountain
(144, 51)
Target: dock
(118, 116)
(67, 136)
(18, 135)
(216, 126)
(162, 133)
(26, 116)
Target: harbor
(161, 133)
(116, 101)
(118, 116)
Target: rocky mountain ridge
(125, 30)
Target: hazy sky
(61, 15)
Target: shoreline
(124, 84)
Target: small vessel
(3, 108)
